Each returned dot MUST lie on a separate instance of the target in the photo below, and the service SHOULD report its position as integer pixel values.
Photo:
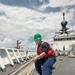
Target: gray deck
(10, 69)
(63, 67)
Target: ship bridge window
(73, 38)
(67, 38)
(55, 39)
(59, 39)
(62, 39)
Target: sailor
(45, 57)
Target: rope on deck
(25, 69)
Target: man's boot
(40, 73)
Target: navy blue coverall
(44, 65)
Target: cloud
(26, 3)
(54, 3)
(21, 23)
(57, 5)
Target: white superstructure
(63, 40)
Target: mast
(17, 44)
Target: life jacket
(49, 53)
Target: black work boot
(51, 72)
(40, 73)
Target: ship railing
(8, 56)
(62, 53)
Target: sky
(21, 19)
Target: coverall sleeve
(45, 47)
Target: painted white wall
(59, 44)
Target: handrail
(8, 55)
